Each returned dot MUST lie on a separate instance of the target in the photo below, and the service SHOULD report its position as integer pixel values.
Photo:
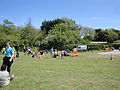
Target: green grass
(88, 71)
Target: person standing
(17, 51)
(24, 50)
(56, 53)
(62, 53)
(51, 52)
(8, 58)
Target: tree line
(61, 33)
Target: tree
(2, 38)
(100, 35)
(48, 25)
(117, 31)
(62, 38)
(108, 35)
(8, 27)
(70, 23)
(8, 33)
(28, 34)
(111, 35)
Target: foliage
(70, 24)
(7, 27)
(27, 35)
(116, 45)
(112, 35)
(48, 25)
(8, 33)
(63, 37)
(108, 35)
(98, 46)
(61, 33)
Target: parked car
(82, 48)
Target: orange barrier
(107, 49)
(75, 52)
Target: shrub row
(116, 45)
(103, 46)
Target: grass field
(88, 71)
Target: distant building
(97, 42)
(117, 41)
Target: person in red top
(75, 52)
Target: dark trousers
(6, 64)
(62, 55)
(17, 53)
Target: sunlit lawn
(88, 71)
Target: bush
(98, 46)
(116, 45)
(71, 46)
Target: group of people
(10, 52)
(39, 53)
(55, 53)
(27, 51)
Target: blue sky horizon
(90, 13)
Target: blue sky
(90, 13)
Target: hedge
(116, 45)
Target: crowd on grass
(54, 53)
(10, 53)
